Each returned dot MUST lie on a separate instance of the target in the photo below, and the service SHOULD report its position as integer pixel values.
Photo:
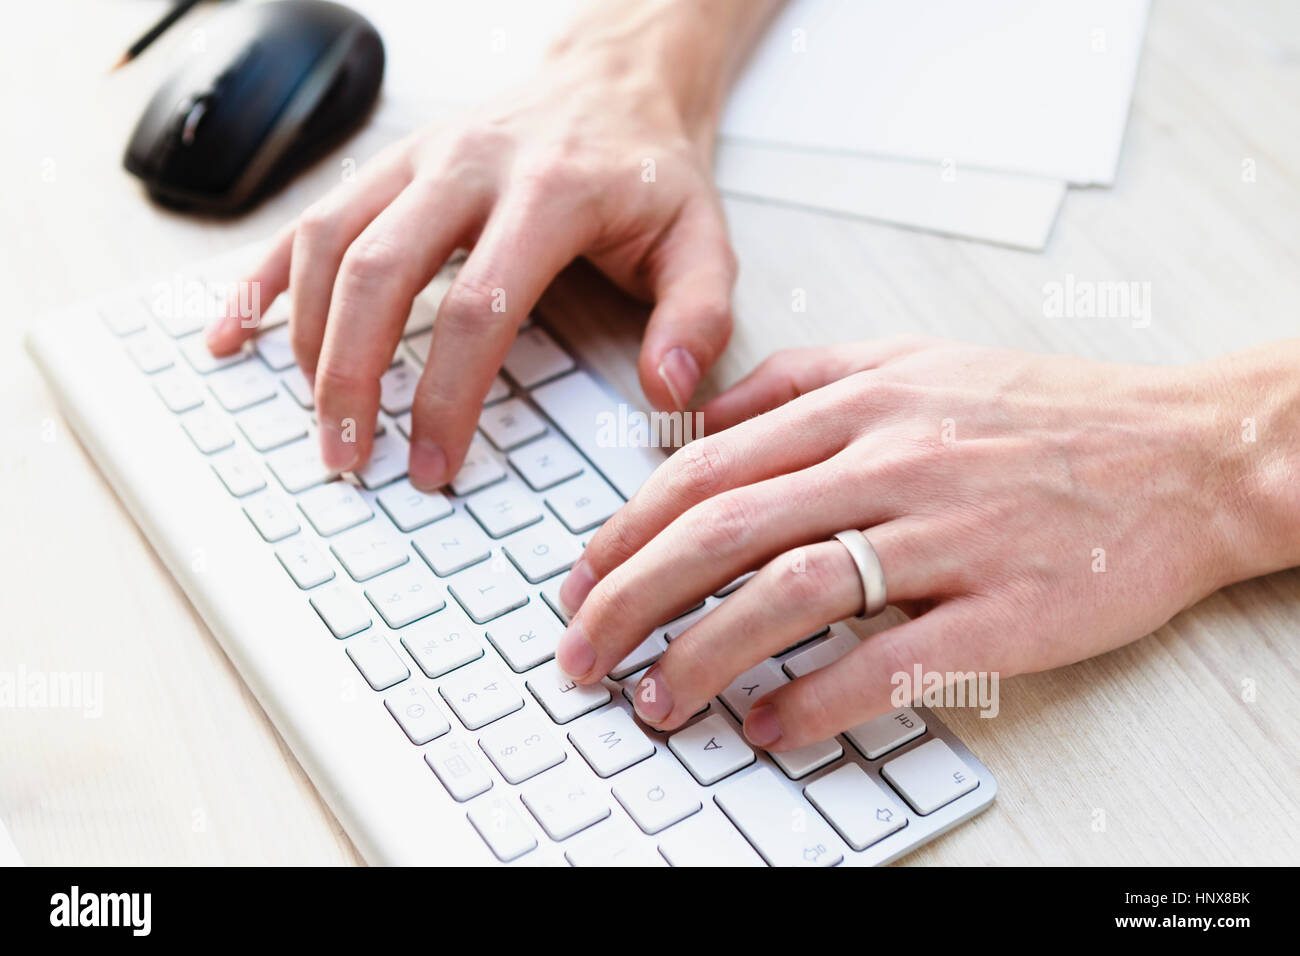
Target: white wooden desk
(183, 767)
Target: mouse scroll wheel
(194, 116)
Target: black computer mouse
(274, 87)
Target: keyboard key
(505, 507)
(418, 331)
(711, 749)
(500, 825)
(304, 562)
(797, 764)
(240, 473)
(124, 314)
(572, 402)
(733, 586)
(488, 590)
(680, 625)
(242, 386)
(275, 348)
(641, 656)
(583, 502)
(546, 462)
(480, 468)
(184, 307)
(334, 507)
(856, 806)
(542, 550)
(526, 637)
(418, 345)
(510, 423)
(535, 358)
(479, 695)
(397, 388)
(195, 350)
(177, 391)
(607, 846)
(459, 768)
(271, 516)
(550, 592)
(759, 680)
(564, 804)
(452, 544)
(387, 461)
(207, 430)
(820, 655)
(442, 643)
(405, 595)
(411, 509)
(378, 662)
(497, 391)
(657, 794)
(785, 830)
(296, 384)
(877, 737)
(343, 613)
(272, 424)
(561, 697)
(707, 839)
(610, 741)
(369, 550)
(416, 713)
(404, 424)
(929, 776)
(298, 466)
(149, 351)
(521, 747)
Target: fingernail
(653, 700)
(574, 654)
(576, 587)
(428, 466)
(761, 726)
(681, 373)
(336, 452)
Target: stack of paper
(966, 118)
(962, 117)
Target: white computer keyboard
(404, 643)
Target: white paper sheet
(1032, 86)
(975, 204)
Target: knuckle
(810, 580)
(315, 225)
(700, 469)
(724, 525)
(370, 259)
(613, 544)
(475, 142)
(469, 303)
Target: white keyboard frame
(372, 777)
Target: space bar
(575, 403)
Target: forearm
(1255, 441)
(692, 48)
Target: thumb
(692, 274)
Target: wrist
(676, 56)
(1253, 441)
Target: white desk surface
(183, 766)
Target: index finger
(527, 241)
